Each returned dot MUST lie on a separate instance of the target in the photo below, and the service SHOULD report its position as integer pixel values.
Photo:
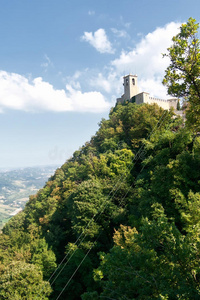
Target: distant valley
(16, 186)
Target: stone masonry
(131, 92)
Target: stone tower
(130, 87)
(131, 90)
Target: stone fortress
(131, 92)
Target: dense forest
(121, 218)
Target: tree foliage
(121, 218)
(182, 77)
(20, 281)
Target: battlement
(131, 90)
(157, 99)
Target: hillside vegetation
(119, 220)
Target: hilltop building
(131, 92)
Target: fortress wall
(139, 98)
(162, 103)
(131, 90)
(142, 98)
(173, 103)
(119, 100)
(145, 98)
(122, 99)
(126, 95)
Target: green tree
(182, 77)
(156, 262)
(178, 105)
(21, 281)
(105, 184)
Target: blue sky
(61, 68)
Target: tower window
(126, 81)
(133, 81)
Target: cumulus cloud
(87, 102)
(101, 82)
(19, 93)
(146, 59)
(106, 82)
(99, 41)
(73, 80)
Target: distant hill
(16, 186)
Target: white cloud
(146, 59)
(17, 92)
(123, 23)
(101, 82)
(120, 33)
(87, 102)
(73, 80)
(153, 86)
(108, 83)
(99, 41)
(76, 75)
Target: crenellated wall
(161, 102)
(131, 90)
